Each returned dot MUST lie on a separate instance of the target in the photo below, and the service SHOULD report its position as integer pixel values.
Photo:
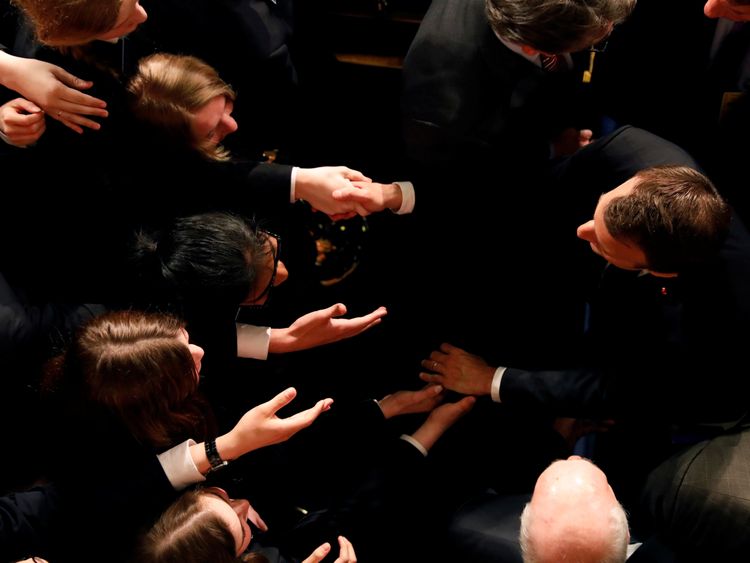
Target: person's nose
(586, 231)
(230, 124)
(713, 8)
(140, 14)
(281, 274)
(197, 353)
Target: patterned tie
(550, 63)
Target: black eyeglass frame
(276, 255)
(600, 47)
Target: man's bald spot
(574, 515)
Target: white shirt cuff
(253, 341)
(179, 467)
(408, 198)
(292, 187)
(496, 379)
(415, 443)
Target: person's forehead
(223, 511)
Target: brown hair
(187, 533)
(63, 23)
(132, 364)
(674, 214)
(168, 89)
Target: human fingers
(75, 121)
(342, 216)
(377, 314)
(335, 310)
(27, 106)
(73, 81)
(319, 554)
(281, 400)
(354, 175)
(434, 378)
(255, 518)
(307, 417)
(352, 194)
(449, 348)
(346, 551)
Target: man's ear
(530, 51)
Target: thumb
(319, 554)
(71, 80)
(282, 399)
(26, 105)
(337, 310)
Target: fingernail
(437, 389)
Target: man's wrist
(392, 197)
(497, 377)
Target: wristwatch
(213, 456)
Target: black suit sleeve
(25, 520)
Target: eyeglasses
(600, 47)
(593, 50)
(276, 252)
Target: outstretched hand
(440, 419)
(57, 92)
(346, 552)
(408, 402)
(370, 197)
(321, 327)
(317, 185)
(459, 371)
(261, 427)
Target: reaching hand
(407, 402)
(459, 371)
(321, 327)
(317, 185)
(56, 91)
(261, 427)
(570, 140)
(440, 419)
(370, 197)
(346, 552)
(22, 122)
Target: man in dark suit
(699, 499)
(481, 115)
(662, 348)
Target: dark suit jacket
(667, 348)
(25, 520)
(125, 176)
(478, 119)
(699, 499)
(468, 98)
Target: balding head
(574, 516)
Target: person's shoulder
(451, 27)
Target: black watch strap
(213, 456)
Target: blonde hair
(67, 23)
(168, 89)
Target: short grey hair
(619, 536)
